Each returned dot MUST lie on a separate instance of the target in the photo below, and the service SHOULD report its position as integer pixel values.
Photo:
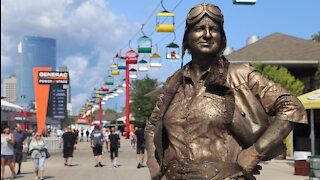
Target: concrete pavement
(83, 167)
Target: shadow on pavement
(48, 177)
(72, 165)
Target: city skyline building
(33, 51)
(9, 89)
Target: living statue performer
(215, 119)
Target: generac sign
(53, 77)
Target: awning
(5, 105)
(311, 100)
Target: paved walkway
(83, 167)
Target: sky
(90, 32)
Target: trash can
(301, 166)
(314, 162)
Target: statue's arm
(286, 109)
(152, 162)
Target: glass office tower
(33, 52)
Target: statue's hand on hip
(248, 160)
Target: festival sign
(53, 77)
(82, 120)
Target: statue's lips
(205, 43)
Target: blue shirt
(20, 136)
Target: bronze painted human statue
(215, 119)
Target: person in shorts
(7, 143)
(140, 146)
(68, 139)
(114, 144)
(20, 141)
(96, 142)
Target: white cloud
(78, 101)
(7, 66)
(87, 32)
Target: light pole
(90, 115)
(22, 113)
(116, 116)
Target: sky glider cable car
(143, 65)
(133, 73)
(105, 88)
(164, 20)
(144, 43)
(121, 61)
(245, 2)
(120, 89)
(114, 68)
(155, 60)
(172, 50)
(109, 80)
(131, 56)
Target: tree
(110, 111)
(281, 75)
(70, 120)
(316, 37)
(318, 72)
(142, 106)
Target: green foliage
(318, 72)
(316, 37)
(281, 75)
(70, 120)
(116, 122)
(111, 111)
(142, 106)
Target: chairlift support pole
(100, 113)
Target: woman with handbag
(38, 148)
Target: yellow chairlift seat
(165, 22)
(115, 72)
(114, 69)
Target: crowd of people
(14, 143)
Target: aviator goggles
(197, 12)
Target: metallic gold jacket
(253, 102)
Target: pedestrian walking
(106, 136)
(37, 149)
(20, 142)
(113, 146)
(81, 138)
(87, 134)
(7, 151)
(96, 142)
(68, 139)
(141, 145)
(132, 137)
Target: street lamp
(22, 113)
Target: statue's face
(204, 37)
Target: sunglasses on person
(197, 12)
